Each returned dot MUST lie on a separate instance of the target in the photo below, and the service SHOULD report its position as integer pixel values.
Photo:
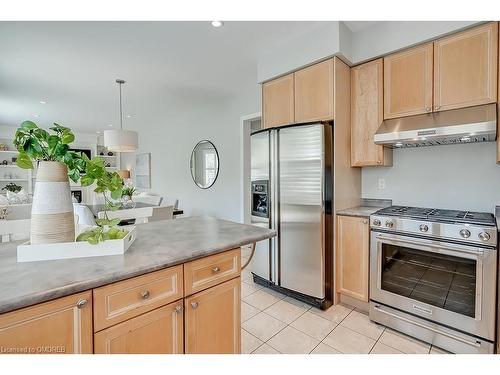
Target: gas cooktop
(439, 215)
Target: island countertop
(158, 245)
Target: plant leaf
(28, 125)
(24, 161)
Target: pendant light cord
(120, 83)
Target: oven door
(450, 284)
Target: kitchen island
(176, 290)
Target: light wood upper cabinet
(367, 97)
(63, 325)
(212, 320)
(353, 256)
(408, 82)
(498, 138)
(157, 332)
(314, 92)
(278, 102)
(465, 68)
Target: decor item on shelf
(101, 153)
(110, 153)
(121, 140)
(17, 198)
(5, 162)
(127, 193)
(12, 187)
(108, 165)
(14, 159)
(4, 211)
(143, 171)
(4, 147)
(124, 173)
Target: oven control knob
(376, 222)
(465, 233)
(389, 224)
(423, 228)
(483, 236)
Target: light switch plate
(381, 183)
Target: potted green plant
(127, 193)
(52, 209)
(12, 187)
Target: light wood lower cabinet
(353, 238)
(157, 332)
(212, 320)
(63, 325)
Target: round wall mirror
(204, 164)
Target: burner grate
(434, 214)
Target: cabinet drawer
(204, 273)
(126, 299)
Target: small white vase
(52, 219)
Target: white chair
(141, 215)
(13, 230)
(84, 215)
(162, 213)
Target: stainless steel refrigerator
(291, 173)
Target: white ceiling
(73, 66)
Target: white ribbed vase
(52, 219)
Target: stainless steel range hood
(465, 125)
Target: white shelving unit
(112, 162)
(10, 172)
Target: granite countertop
(158, 245)
(367, 207)
(358, 211)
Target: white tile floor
(273, 323)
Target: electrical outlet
(381, 183)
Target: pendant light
(121, 140)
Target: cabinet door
(314, 93)
(465, 68)
(278, 102)
(212, 323)
(63, 325)
(352, 256)
(408, 82)
(367, 96)
(157, 332)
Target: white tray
(82, 249)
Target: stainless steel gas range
(433, 275)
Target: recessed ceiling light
(128, 116)
(98, 132)
(217, 23)
(43, 102)
(110, 125)
(36, 115)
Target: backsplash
(454, 177)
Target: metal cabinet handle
(365, 221)
(215, 269)
(194, 304)
(379, 161)
(179, 308)
(81, 303)
(437, 107)
(428, 109)
(145, 294)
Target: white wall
(299, 51)
(462, 177)
(386, 37)
(171, 139)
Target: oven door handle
(430, 245)
(476, 344)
